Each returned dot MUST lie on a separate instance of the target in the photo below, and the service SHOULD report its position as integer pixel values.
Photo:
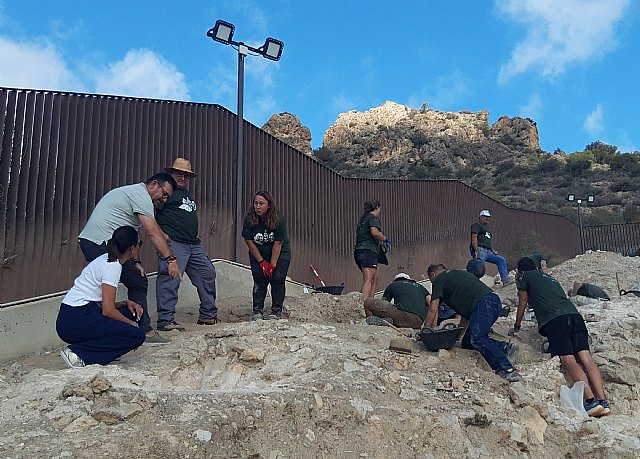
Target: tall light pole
(222, 32)
(589, 199)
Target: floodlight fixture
(272, 49)
(222, 32)
(571, 197)
(590, 198)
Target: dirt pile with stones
(321, 384)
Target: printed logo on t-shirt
(487, 235)
(264, 238)
(188, 205)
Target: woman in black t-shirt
(265, 233)
(369, 239)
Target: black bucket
(330, 289)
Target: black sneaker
(169, 326)
(276, 314)
(510, 375)
(375, 320)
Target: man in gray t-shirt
(132, 205)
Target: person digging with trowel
(480, 307)
(409, 307)
(559, 320)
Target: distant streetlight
(222, 32)
(589, 199)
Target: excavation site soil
(322, 384)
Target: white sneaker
(71, 358)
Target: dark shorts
(567, 334)
(365, 258)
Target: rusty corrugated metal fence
(622, 238)
(61, 152)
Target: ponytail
(112, 250)
(370, 206)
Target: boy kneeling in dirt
(559, 320)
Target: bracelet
(170, 258)
(172, 261)
(135, 261)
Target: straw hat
(181, 165)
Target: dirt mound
(322, 385)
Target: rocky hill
(503, 160)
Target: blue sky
(570, 65)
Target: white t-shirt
(88, 285)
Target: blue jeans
(487, 255)
(95, 338)
(483, 316)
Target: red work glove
(267, 269)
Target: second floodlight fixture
(272, 49)
(222, 32)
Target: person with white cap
(178, 218)
(409, 307)
(481, 246)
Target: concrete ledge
(30, 327)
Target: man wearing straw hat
(178, 218)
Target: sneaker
(155, 340)
(375, 320)
(594, 408)
(276, 314)
(605, 407)
(168, 326)
(257, 316)
(71, 358)
(213, 321)
(505, 311)
(510, 375)
(508, 282)
(511, 349)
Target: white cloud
(533, 107)
(446, 93)
(594, 122)
(143, 73)
(559, 33)
(35, 65)
(342, 104)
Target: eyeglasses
(165, 195)
(182, 176)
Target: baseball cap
(402, 276)
(485, 213)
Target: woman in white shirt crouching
(98, 329)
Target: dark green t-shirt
(592, 291)
(264, 237)
(537, 258)
(484, 235)
(461, 290)
(364, 238)
(408, 296)
(178, 217)
(546, 296)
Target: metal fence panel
(61, 152)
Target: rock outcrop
(450, 139)
(289, 129)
